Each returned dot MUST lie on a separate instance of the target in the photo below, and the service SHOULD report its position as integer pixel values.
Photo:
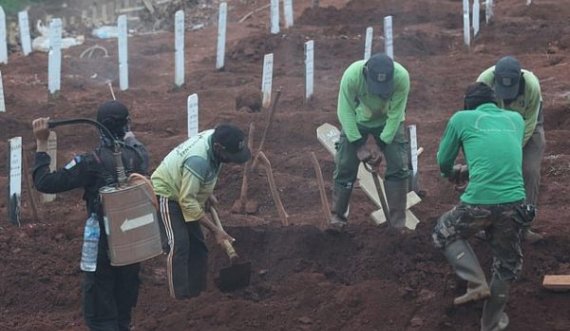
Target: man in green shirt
(491, 142)
(372, 101)
(519, 90)
(183, 182)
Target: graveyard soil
(368, 278)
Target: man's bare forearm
(208, 224)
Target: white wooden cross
(328, 135)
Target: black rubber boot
(461, 256)
(339, 206)
(494, 318)
(396, 195)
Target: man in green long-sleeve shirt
(183, 182)
(372, 101)
(491, 141)
(519, 90)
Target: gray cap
(379, 71)
(507, 77)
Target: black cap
(379, 71)
(114, 116)
(478, 94)
(232, 139)
(507, 77)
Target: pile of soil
(368, 278)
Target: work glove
(369, 154)
(459, 177)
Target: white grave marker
(192, 105)
(52, 152)
(288, 13)
(2, 102)
(488, 10)
(104, 17)
(274, 13)
(328, 135)
(54, 56)
(15, 190)
(267, 79)
(476, 9)
(123, 53)
(414, 155)
(309, 68)
(25, 32)
(3, 45)
(466, 25)
(368, 43)
(222, 19)
(388, 38)
(179, 48)
(528, 2)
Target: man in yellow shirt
(183, 183)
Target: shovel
(378, 186)
(237, 275)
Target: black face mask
(520, 92)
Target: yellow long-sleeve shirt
(188, 174)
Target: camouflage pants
(502, 231)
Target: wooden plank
(556, 282)
(328, 135)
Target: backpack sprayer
(129, 208)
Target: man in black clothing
(109, 292)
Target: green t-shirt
(491, 140)
(527, 104)
(356, 106)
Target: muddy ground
(304, 279)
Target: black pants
(109, 294)
(187, 261)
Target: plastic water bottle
(90, 244)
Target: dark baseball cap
(380, 75)
(232, 139)
(507, 77)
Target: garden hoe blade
(238, 274)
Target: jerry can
(131, 222)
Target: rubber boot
(461, 256)
(396, 195)
(494, 318)
(339, 207)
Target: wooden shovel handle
(374, 173)
(227, 245)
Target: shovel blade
(234, 277)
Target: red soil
(304, 279)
